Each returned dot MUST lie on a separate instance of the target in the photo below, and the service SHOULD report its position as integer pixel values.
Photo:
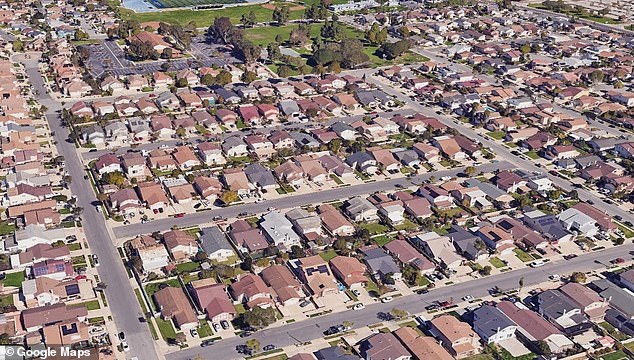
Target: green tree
(525, 49)
(393, 50)
(284, 71)
(80, 35)
(259, 317)
(181, 83)
(18, 46)
(470, 170)
(297, 252)
(246, 50)
(249, 19)
(596, 76)
(578, 277)
(229, 196)
(253, 344)
(248, 76)
(113, 178)
(208, 79)
(486, 270)
(281, 15)
(273, 50)
(223, 78)
(398, 313)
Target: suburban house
(455, 335)
(287, 290)
(279, 230)
(153, 254)
(492, 325)
(251, 290)
(422, 347)
(349, 270)
(380, 264)
(213, 299)
(214, 242)
(180, 244)
(173, 304)
(384, 346)
(315, 273)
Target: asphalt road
(290, 201)
(501, 151)
(119, 293)
(310, 329)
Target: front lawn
(14, 279)
(6, 300)
(617, 355)
(495, 261)
(74, 246)
(523, 255)
(532, 154)
(625, 230)
(497, 135)
(204, 330)
(165, 328)
(407, 225)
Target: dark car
(618, 217)
(269, 347)
(207, 343)
(431, 307)
(423, 291)
(142, 319)
(331, 330)
(245, 334)
(570, 256)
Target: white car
(356, 292)
(537, 263)
(358, 306)
(125, 346)
(467, 298)
(554, 277)
(387, 299)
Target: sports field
(162, 4)
(204, 18)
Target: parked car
(95, 260)
(269, 347)
(224, 324)
(207, 343)
(124, 346)
(467, 298)
(356, 292)
(216, 327)
(387, 299)
(358, 306)
(618, 261)
(194, 332)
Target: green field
(583, 14)
(14, 279)
(204, 18)
(187, 3)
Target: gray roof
(232, 141)
(491, 190)
(213, 239)
(464, 241)
(380, 262)
(288, 106)
(340, 127)
(547, 225)
(333, 353)
(554, 304)
(357, 205)
(226, 93)
(618, 297)
(302, 139)
(259, 175)
(488, 320)
(365, 97)
(359, 158)
(406, 156)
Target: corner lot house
(174, 306)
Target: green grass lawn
(375, 228)
(14, 279)
(204, 330)
(617, 355)
(139, 297)
(239, 308)
(328, 255)
(382, 240)
(495, 261)
(336, 179)
(497, 135)
(406, 225)
(74, 246)
(165, 328)
(150, 289)
(371, 287)
(204, 18)
(531, 154)
(6, 228)
(584, 14)
(6, 300)
(187, 267)
(626, 231)
(92, 305)
(523, 256)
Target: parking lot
(108, 57)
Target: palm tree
(521, 283)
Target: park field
(204, 18)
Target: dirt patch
(292, 8)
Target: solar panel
(69, 329)
(72, 289)
(59, 267)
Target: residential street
(313, 328)
(121, 299)
(288, 202)
(500, 150)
